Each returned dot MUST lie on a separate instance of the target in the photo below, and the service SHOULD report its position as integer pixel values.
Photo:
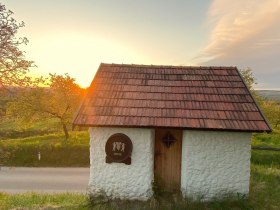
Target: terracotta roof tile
(170, 96)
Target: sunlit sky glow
(76, 36)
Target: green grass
(43, 201)
(10, 128)
(266, 158)
(54, 150)
(267, 139)
(265, 186)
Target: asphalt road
(43, 180)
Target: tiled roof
(170, 96)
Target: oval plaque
(118, 149)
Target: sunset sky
(76, 36)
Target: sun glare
(79, 55)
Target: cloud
(241, 28)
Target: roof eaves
(178, 127)
(254, 100)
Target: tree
(59, 100)
(272, 111)
(13, 65)
(249, 79)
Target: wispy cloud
(239, 26)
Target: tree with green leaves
(59, 101)
(272, 111)
(248, 77)
(13, 64)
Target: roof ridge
(169, 66)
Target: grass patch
(266, 158)
(11, 129)
(54, 150)
(43, 201)
(265, 186)
(267, 139)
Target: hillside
(270, 94)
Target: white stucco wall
(118, 180)
(215, 164)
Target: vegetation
(13, 129)
(43, 201)
(13, 65)
(272, 112)
(54, 151)
(267, 139)
(22, 98)
(59, 101)
(250, 80)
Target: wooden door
(168, 153)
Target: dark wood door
(168, 154)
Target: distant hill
(270, 94)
